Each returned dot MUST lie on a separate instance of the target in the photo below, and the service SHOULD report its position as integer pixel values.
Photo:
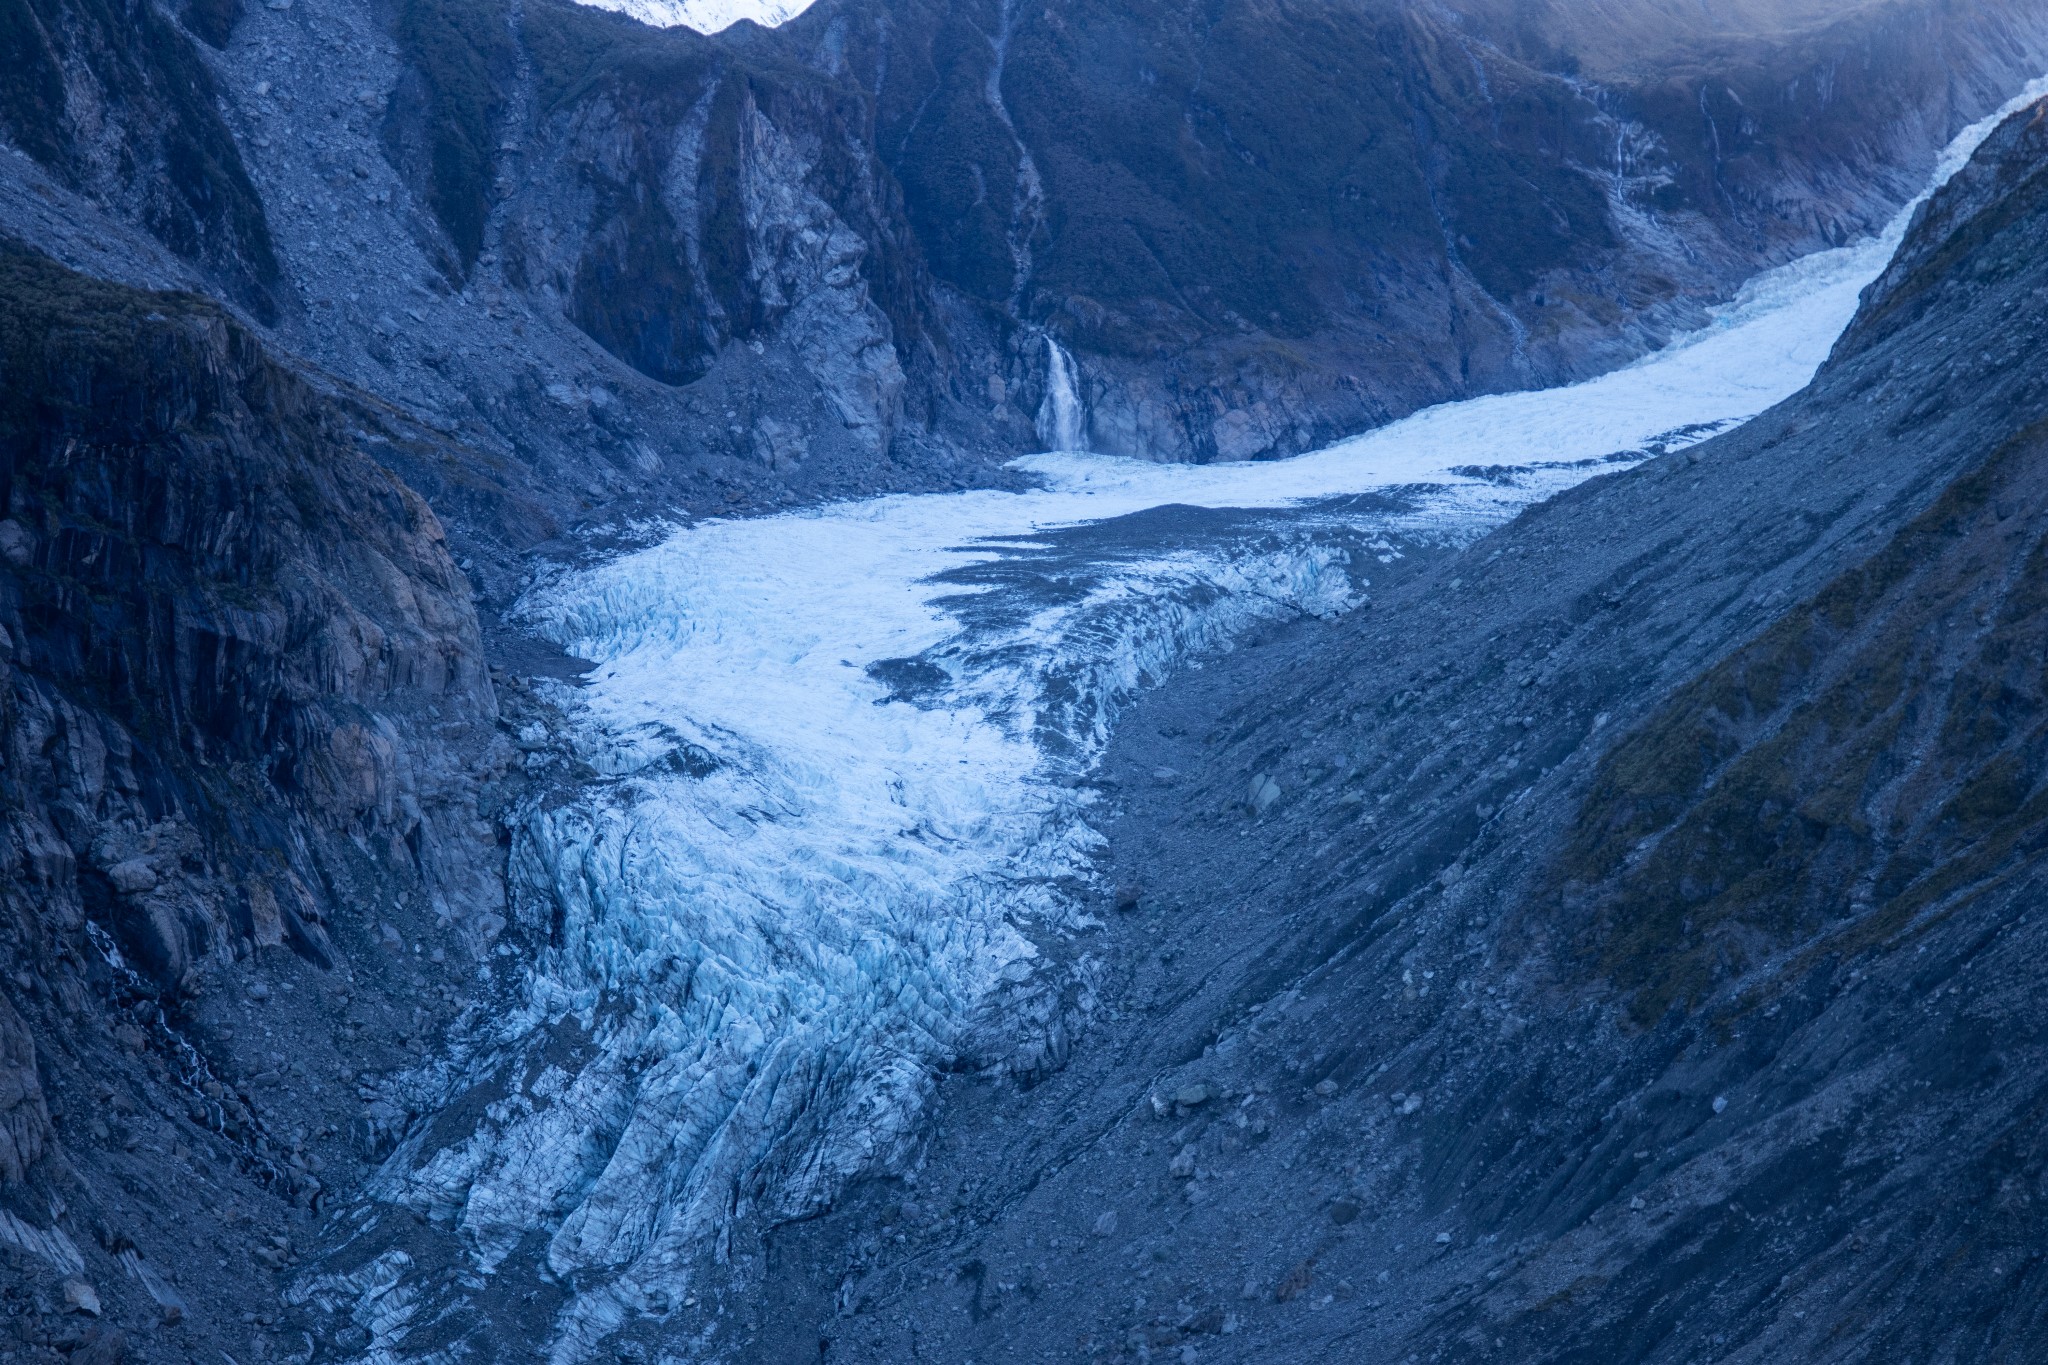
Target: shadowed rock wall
(243, 711)
(630, 267)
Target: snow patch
(705, 16)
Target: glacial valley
(1021, 681)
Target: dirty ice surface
(838, 829)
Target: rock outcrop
(117, 101)
(1269, 224)
(244, 720)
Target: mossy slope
(1876, 753)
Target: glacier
(839, 835)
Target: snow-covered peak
(706, 16)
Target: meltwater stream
(838, 832)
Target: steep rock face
(1317, 219)
(243, 706)
(421, 262)
(194, 549)
(442, 124)
(716, 207)
(1965, 237)
(1630, 951)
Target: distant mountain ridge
(706, 16)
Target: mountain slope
(1307, 210)
(634, 267)
(120, 103)
(547, 271)
(245, 736)
(1637, 961)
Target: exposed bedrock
(118, 103)
(245, 730)
(1258, 228)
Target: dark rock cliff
(1637, 961)
(1259, 225)
(1263, 224)
(244, 724)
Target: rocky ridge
(250, 746)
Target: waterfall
(1062, 422)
